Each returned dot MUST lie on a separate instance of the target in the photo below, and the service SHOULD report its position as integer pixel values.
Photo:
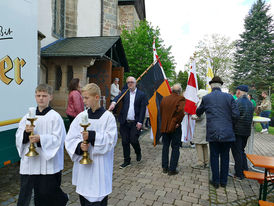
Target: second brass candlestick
(32, 152)
(85, 160)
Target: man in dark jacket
(172, 113)
(221, 114)
(131, 119)
(242, 131)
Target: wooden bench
(254, 176)
(260, 178)
(265, 203)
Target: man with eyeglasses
(131, 119)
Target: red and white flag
(190, 107)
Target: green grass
(258, 128)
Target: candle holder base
(85, 160)
(32, 152)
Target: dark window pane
(58, 77)
(69, 75)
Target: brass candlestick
(32, 152)
(85, 160)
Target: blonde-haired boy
(43, 172)
(93, 181)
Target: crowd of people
(222, 121)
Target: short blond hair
(92, 89)
(44, 88)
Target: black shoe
(173, 172)
(238, 178)
(138, 157)
(216, 185)
(165, 170)
(125, 164)
(223, 185)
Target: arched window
(58, 77)
(69, 75)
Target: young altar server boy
(93, 181)
(43, 172)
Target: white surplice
(52, 133)
(93, 181)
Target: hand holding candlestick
(31, 117)
(85, 160)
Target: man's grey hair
(176, 88)
(215, 85)
(131, 77)
(116, 79)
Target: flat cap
(243, 88)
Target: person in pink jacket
(75, 100)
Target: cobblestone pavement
(144, 183)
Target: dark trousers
(238, 152)
(47, 190)
(219, 150)
(85, 202)
(130, 135)
(147, 124)
(71, 118)
(174, 139)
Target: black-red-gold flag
(155, 86)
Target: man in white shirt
(131, 119)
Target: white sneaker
(264, 131)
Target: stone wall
(128, 17)
(79, 66)
(71, 18)
(110, 18)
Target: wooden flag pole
(137, 80)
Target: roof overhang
(107, 47)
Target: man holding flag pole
(131, 118)
(155, 86)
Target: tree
(254, 57)
(220, 50)
(138, 48)
(182, 78)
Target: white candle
(32, 112)
(85, 118)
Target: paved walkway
(144, 183)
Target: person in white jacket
(93, 181)
(114, 90)
(43, 172)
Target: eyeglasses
(130, 82)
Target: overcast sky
(183, 23)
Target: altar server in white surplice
(43, 172)
(93, 181)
